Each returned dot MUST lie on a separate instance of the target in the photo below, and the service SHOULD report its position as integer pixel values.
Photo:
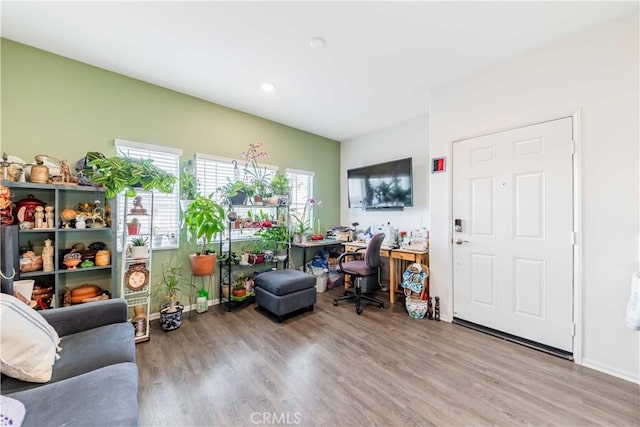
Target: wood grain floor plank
(331, 367)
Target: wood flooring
(331, 367)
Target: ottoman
(285, 291)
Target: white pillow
(28, 343)
(12, 412)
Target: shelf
(79, 269)
(128, 292)
(34, 186)
(83, 230)
(36, 274)
(132, 302)
(38, 230)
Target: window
(166, 216)
(301, 184)
(214, 172)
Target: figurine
(47, 256)
(437, 310)
(137, 208)
(49, 217)
(429, 308)
(65, 171)
(6, 217)
(80, 222)
(39, 217)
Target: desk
(397, 257)
(314, 244)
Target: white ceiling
(380, 62)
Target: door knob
(460, 241)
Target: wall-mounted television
(386, 185)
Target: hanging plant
(119, 174)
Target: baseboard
(187, 307)
(610, 370)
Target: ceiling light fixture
(317, 43)
(267, 87)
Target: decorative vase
(133, 228)
(139, 321)
(171, 320)
(103, 257)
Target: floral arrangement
(302, 221)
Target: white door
(513, 251)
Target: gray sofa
(95, 380)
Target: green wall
(63, 108)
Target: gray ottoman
(285, 291)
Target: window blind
(301, 184)
(166, 217)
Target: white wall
(596, 71)
(406, 139)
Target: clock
(137, 276)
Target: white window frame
(206, 188)
(297, 202)
(171, 212)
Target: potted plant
(239, 288)
(139, 247)
(171, 312)
(118, 174)
(280, 188)
(257, 174)
(133, 227)
(236, 192)
(188, 184)
(203, 219)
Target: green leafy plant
(203, 219)
(122, 173)
(139, 241)
(231, 190)
(280, 184)
(188, 181)
(275, 237)
(172, 279)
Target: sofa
(94, 381)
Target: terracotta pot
(239, 292)
(203, 265)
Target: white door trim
(577, 220)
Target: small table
(397, 258)
(314, 244)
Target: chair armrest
(78, 318)
(352, 254)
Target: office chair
(361, 270)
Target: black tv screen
(381, 186)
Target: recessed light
(268, 87)
(317, 43)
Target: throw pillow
(11, 412)
(28, 344)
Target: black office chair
(361, 270)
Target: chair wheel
(359, 311)
(345, 293)
(335, 303)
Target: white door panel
(513, 192)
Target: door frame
(577, 219)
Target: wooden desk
(397, 259)
(325, 243)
